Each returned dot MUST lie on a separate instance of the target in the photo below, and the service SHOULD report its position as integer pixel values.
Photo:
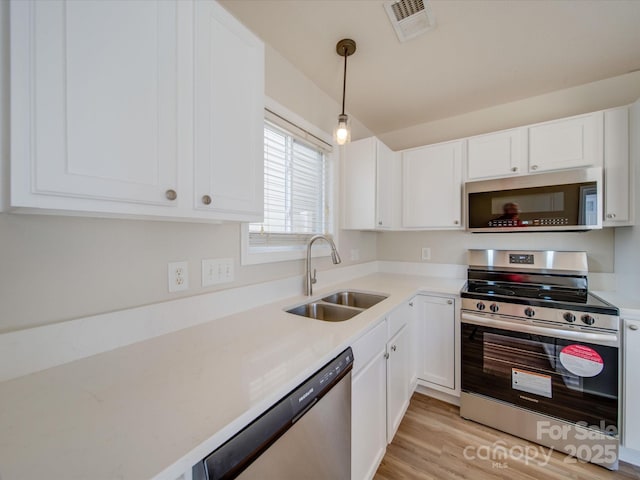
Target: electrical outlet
(426, 253)
(178, 276)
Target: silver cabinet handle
(450, 302)
(633, 327)
(514, 169)
(171, 194)
(206, 199)
(386, 355)
(534, 167)
(394, 348)
(611, 215)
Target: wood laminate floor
(434, 442)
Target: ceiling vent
(410, 18)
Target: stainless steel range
(540, 354)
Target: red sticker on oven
(581, 360)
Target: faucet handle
(313, 279)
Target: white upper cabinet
(618, 192)
(432, 186)
(94, 101)
(368, 171)
(102, 108)
(497, 154)
(229, 113)
(567, 143)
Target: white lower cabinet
(631, 415)
(437, 343)
(399, 363)
(369, 403)
(398, 381)
(380, 389)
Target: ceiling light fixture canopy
(342, 133)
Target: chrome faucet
(335, 258)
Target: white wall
(56, 268)
(451, 247)
(608, 93)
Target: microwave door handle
(605, 339)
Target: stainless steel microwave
(569, 200)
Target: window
(297, 194)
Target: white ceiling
(482, 52)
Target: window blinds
(295, 191)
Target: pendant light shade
(342, 133)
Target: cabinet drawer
(366, 348)
(399, 317)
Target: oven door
(536, 369)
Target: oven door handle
(606, 339)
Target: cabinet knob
(380, 222)
(534, 167)
(386, 355)
(206, 199)
(633, 327)
(450, 302)
(394, 347)
(611, 215)
(411, 304)
(456, 222)
(514, 169)
(171, 194)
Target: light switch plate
(217, 270)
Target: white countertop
(154, 408)
(628, 305)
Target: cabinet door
(359, 184)
(496, 154)
(631, 415)
(368, 417)
(617, 174)
(568, 143)
(229, 114)
(384, 186)
(397, 380)
(432, 184)
(437, 337)
(94, 101)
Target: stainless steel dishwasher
(306, 435)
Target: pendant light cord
(344, 80)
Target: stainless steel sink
(339, 306)
(354, 299)
(324, 311)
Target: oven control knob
(588, 319)
(480, 306)
(569, 317)
(494, 307)
(529, 312)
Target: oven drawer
(572, 380)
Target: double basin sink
(339, 306)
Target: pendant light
(342, 133)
